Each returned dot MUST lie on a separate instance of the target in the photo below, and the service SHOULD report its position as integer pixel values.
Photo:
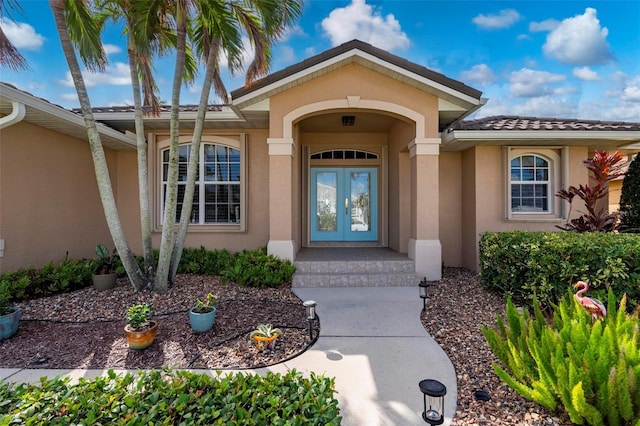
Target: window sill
(196, 229)
(530, 219)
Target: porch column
(424, 243)
(281, 242)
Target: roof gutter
(16, 116)
(480, 135)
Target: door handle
(346, 206)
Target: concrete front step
(355, 280)
(355, 273)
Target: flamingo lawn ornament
(593, 306)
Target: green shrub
(543, 265)
(173, 397)
(204, 262)
(258, 269)
(29, 283)
(630, 198)
(592, 369)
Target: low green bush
(524, 265)
(256, 268)
(29, 283)
(590, 368)
(204, 262)
(173, 397)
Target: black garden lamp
(310, 307)
(435, 392)
(423, 286)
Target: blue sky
(570, 59)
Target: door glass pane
(360, 202)
(326, 200)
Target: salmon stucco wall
(450, 181)
(484, 196)
(49, 193)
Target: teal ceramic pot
(202, 322)
(9, 323)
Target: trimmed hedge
(543, 265)
(173, 397)
(251, 268)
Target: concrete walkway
(371, 341)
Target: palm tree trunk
(161, 282)
(97, 151)
(193, 162)
(143, 183)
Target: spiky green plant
(591, 369)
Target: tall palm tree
(85, 36)
(212, 28)
(10, 57)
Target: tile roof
(366, 48)
(163, 108)
(506, 122)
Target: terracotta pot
(104, 281)
(9, 323)
(141, 339)
(265, 342)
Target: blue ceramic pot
(202, 322)
(9, 323)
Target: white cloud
(360, 21)
(523, 37)
(585, 74)
(546, 25)
(111, 48)
(631, 91)
(479, 74)
(116, 75)
(579, 40)
(289, 32)
(310, 51)
(23, 36)
(530, 83)
(71, 97)
(286, 54)
(504, 19)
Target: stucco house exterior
(352, 147)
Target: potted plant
(104, 276)
(203, 315)
(140, 328)
(265, 336)
(9, 315)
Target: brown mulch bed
(85, 328)
(458, 306)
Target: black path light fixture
(310, 307)
(435, 392)
(423, 286)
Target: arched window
(344, 154)
(530, 182)
(217, 198)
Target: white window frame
(554, 157)
(237, 141)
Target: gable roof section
(43, 113)
(456, 98)
(528, 131)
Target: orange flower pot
(265, 342)
(141, 339)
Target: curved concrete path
(371, 341)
